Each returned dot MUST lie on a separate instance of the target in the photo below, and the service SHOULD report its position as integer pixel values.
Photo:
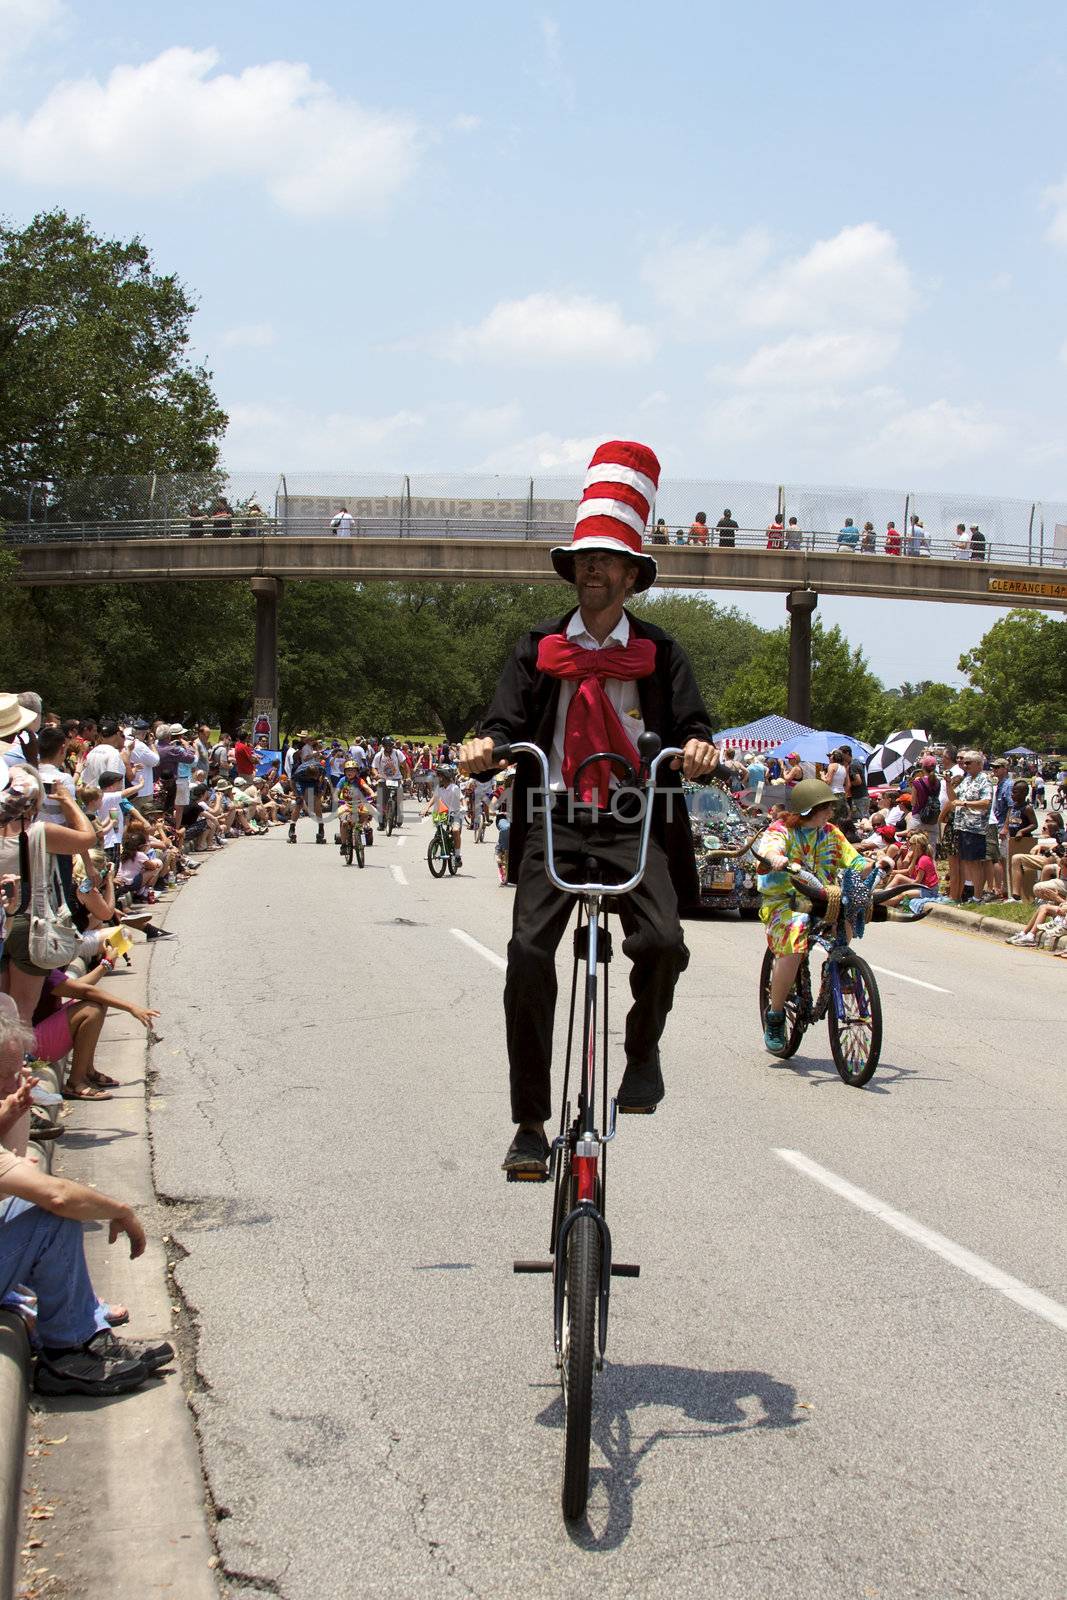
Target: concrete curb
(970, 922)
(14, 1394)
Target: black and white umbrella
(900, 752)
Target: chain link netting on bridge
(494, 505)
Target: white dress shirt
(622, 692)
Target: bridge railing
(239, 526)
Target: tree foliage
(845, 694)
(1018, 674)
(95, 378)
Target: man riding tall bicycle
(594, 680)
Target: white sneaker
(1023, 938)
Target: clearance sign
(1041, 591)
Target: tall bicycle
(848, 991)
(580, 1250)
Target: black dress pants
(604, 849)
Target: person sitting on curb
(69, 1018)
(1052, 911)
(42, 1247)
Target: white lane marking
(887, 972)
(490, 955)
(1030, 1299)
(398, 872)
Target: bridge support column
(800, 603)
(267, 593)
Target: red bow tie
(592, 722)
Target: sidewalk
(121, 1478)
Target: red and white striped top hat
(620, 487)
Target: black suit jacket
(525, 706)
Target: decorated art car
(727, 882)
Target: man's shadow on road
(710, 1405)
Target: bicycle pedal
(526, 1177)
(635, 1111)
(625, 1269)
(532, 1266)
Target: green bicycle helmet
(809, 795)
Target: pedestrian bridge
(419, 556)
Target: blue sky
(814, 245)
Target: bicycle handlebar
(651, 756)
(814, 890)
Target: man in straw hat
(591, 680)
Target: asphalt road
(801, 1400)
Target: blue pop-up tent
(763, 734)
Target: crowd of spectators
(98, 821)
(785, 533)
(959, 827)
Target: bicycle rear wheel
(856, 1036)
(579, 1355)
(794, 1029)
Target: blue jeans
(46, 1253)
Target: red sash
(592, 722)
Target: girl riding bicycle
(355, 801)
(803, 839)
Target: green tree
(1018, 673)
(719, 641)
(177, 650)
(846, 697)
(95, 377)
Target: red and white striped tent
(763, 734)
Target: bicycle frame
(584, 1141)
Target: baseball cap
(929, 762)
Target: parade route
(806, 1393)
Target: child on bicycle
(447, 799)
(355, 799)
(804, 838)
(503, 825)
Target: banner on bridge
(398, 508)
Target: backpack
(931, 808)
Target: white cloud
(24, 23)
(543, 452)
(174, 123)
(287, 438)
(488, 422)
(857, 279)
(251, 336)
(1054, 199)
(554, 329)
(939, 434)
(554, 76)
(817, 359)
(466, 122)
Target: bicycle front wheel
(435, 858)
(390, 819)
(348, 849)
(855, 1034)
(794, 1028)
(579, 1355)
(357, 845)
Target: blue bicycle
(848, 993)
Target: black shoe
(292, 833)
(150, 1354)
(320, 837)
(527, 1153)
(84, 1371)
(152, 932)
(641, 1088)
